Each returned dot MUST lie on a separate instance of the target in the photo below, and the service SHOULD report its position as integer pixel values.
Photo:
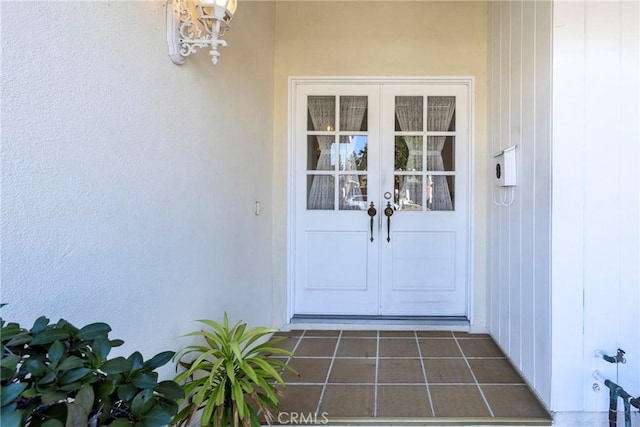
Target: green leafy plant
(59, 375)
(233, 376)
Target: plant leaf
(74, 375)
(52, 423)
(93, 331)
(170, 390)
(121, 422)
(39, 325)
(156, 417)
(117, 365)
(136, 361)
(158, 360)
(48, 336)
(56, 351)
(207, 412)
(53, 397)
(18, 340)
(101, 347)
(126, 392)
(145, 379)
(116, 343)
(11, 392)
(71, 362)
(35, 367)
(85, 398)
(142, 403)
(76, 416)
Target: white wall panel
(527, 192)
(515, 211)
(519, 236)
(595, 199)
(542, 202)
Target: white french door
(380, 199)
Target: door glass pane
(353, 113)
(320, 192)
(408, 192)
(409, 114)
(353, 153)
(408, 153)
(440, 191)
(320, 156)
(353, 192)
(321, 113)
(440, 153)
(441, 113)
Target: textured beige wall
(125, 195)
(379, 39)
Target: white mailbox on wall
(504, 167)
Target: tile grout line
(326, 380)
(474, 377)
(375, 380)
(424, 374)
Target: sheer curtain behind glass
(440, 111)
(352, 111)
(322, 112)
(409, 115)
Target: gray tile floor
(370, 375)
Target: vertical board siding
(504, 133)
(515, 138)
(591, 49)
(519, 235)
(542, 185)
(611, 196)
(493, 144)
(527, 193)
(629, 178)
(568, 204)
(596, 194)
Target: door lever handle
(372, 212)
(388, 211)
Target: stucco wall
(129, 183)
(378, 39)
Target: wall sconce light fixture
(184, 34)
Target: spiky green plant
(233, 376)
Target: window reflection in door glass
(352, 192)
(408, 153)
(320, 156)
(353, 153)
(408, 192)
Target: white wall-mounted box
(504, 167)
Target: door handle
(388, 211)
(372, 212)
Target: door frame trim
(296, 81)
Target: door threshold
(314, 321)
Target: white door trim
(294, 82)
